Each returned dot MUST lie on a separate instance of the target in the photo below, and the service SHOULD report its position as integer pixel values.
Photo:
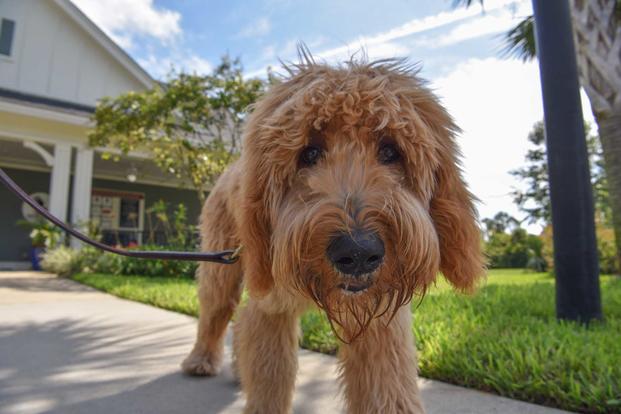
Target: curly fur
(284, 214)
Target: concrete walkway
(66, 348)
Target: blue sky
(494, 100)
(194, 34)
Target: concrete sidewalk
(65, 348)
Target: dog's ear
(455, 218)
(261, 185)
(255, 228)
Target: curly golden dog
(347, 196)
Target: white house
(54, 65)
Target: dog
(348, 196)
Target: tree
(534, 200)
(500, 223)
(508, 245)
(191, 124)
(597, 33)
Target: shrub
(103, 262)
(62, 260)
(515, 250)
(175, 268)
(94, 261)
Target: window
(7, 29)
(119, 215)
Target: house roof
(43, 101)
(104, 40)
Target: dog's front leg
(379, 369)
(266, 346)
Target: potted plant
(43, 235)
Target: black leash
(225, 256)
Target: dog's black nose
(356, 253)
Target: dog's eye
(388, 153)
(310, 155)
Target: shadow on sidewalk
(87, 367)
(42, 284)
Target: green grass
(175, 294)
(504, 339)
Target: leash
(224, 257)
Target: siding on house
(54, 57)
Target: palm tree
(597, 35)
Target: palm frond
(520, 41)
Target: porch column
(82, 183)
(59, 181)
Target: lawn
(505, 339)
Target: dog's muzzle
(357, 253)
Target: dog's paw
(202, 364)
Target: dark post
(575, 252)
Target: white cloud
(160, 67)
(417, 26)
(495, 102)
(499, 21)
(257, 28)
(480, 27)
(124, 19)
(386, 50)
(497, 17)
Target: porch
(77, 185)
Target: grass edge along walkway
(504, 339)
